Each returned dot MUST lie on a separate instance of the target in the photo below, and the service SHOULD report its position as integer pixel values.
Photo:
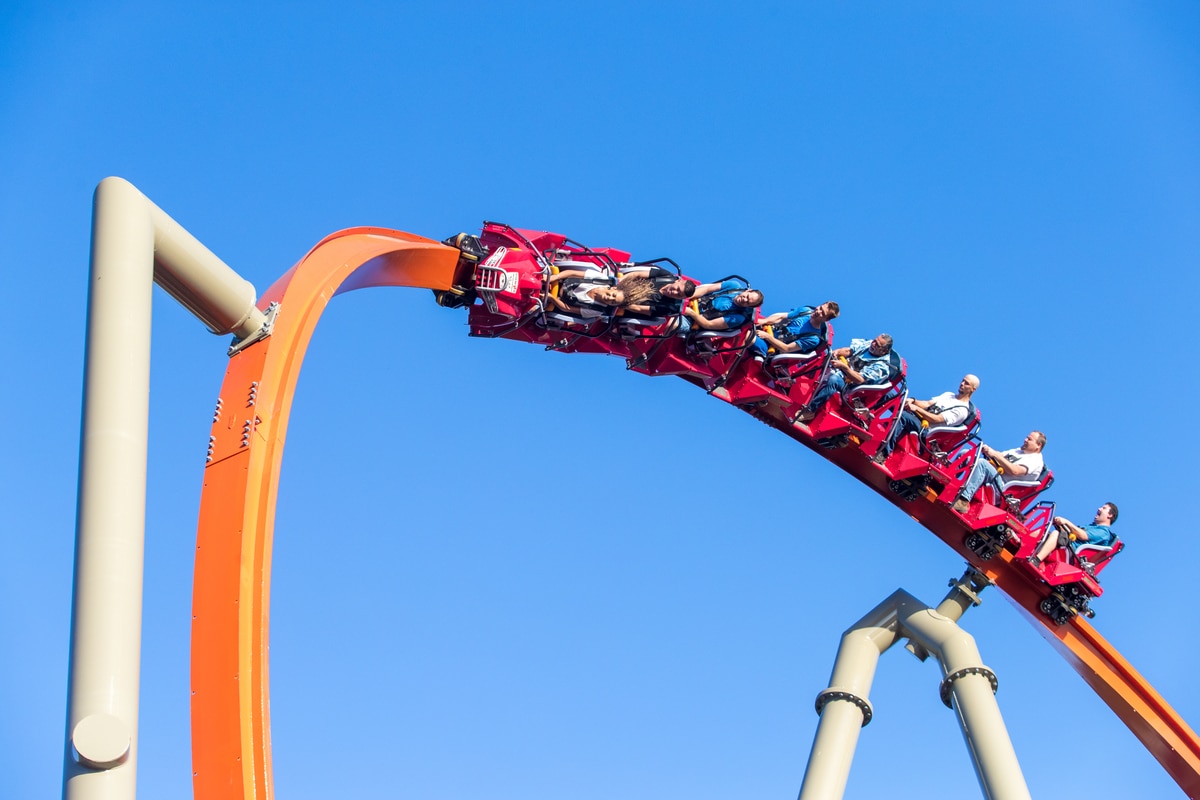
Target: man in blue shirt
(724, 306)
(865, 361)
(1099, 533)
(801, 330)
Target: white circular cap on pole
(101, 741)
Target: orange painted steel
(231, 731)
(231, 743)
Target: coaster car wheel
(909, 488)
(1056, 608)
(978, 544)
(1079, 598)
(987, 543)
(454, 298)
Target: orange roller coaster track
(231, 737)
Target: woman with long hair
(588, 293)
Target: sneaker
(1035, 561)
(879, 457)
(961, 506)
(805, 416)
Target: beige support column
(969, 688)
(844, 707)
(134, 243)
(102, 699)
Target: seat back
(789, 365)
(785, 366)
(872, 396)
(1025, 492)
(941, 441)
(1094, 558)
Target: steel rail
(231, 729)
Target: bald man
(947, 408)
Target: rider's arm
(931, 418)
(567, 273)
(704, 322)
(852, 378)
(1068, 527)
(873, 372)
(706, 288)
(997, 456)
(785, 347)
(561, 306)
(780, 347)
(1015, 469)
(921, 409)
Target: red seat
(1094, 558)
(942, 441)
(877, 405)
(1020, 494)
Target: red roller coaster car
(504, 280)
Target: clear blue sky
(462, 607)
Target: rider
(867, 361)
(1099, 533)
(723, 306)
(589, 293)
(670, 290)
(801, 330)
(945, 409)
(1020, 462)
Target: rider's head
(609, 296)
(679, 289)
(825, 312)
(750, 298)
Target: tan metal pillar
(134, 243)
(844, 707)
(102, 699)
(968, 688)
